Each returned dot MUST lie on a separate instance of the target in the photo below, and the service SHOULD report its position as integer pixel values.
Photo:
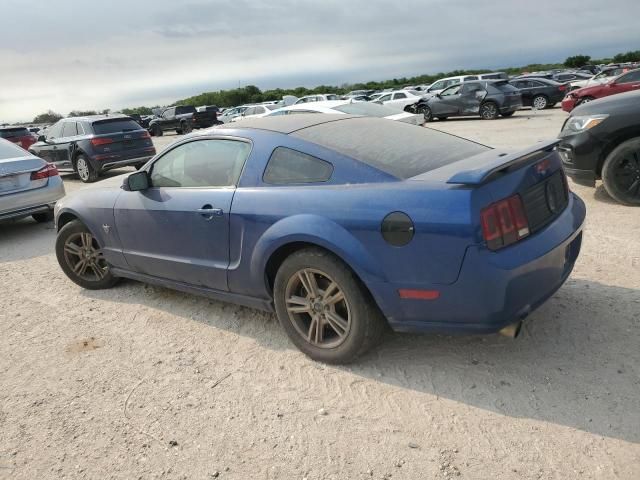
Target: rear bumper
(494, 289)
(27, 203)
(108, 162)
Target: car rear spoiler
(487, 165)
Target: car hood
(590, 89)
(620, 101)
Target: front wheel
(585, 100)
(621, 173)
(426, 113)
(489, 111)
(185, 127)
(85, 170)
(324, 309)
(81, 258)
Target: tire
(351, 323)
(43, 217)
(156, 130)
(585, 100)
(539, 102)
(426, 113)
(85, 170)
(75, 244)
(489, 111)
(185, 127)
(507, 114)
(621, 173)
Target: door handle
(208, 212)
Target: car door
(48, 148)
(625, 83)
(448, 102)
(526, 90)
(471, 96)
(63, 152)
(169, 119)
(178, 228)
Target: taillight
(96, 142)
(45, 172)
(504, 222)
(145, 134)
(562, 88)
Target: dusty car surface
(343, 225)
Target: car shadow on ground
(25, 238)
(575, 364)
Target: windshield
(396, 148)
(13, 132)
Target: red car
(21, 136)
(622, 83)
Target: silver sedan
(29, 186)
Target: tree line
(252, 94)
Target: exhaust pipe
(512, 330)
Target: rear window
(505, 87)
(366, 109)
(290, 167)
(9, 150)
(13, 132)
(116, 125)
(396, 148)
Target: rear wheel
(324, 309)
(85, 170)
(81, 258)
(185, 127)
(621, 173)
(539, 102)
(489, 111)
(43, 217)
(507, 114)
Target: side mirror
(438, 95)
(136, 182)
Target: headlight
(582, 123)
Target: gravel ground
(142, 382)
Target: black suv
(93, 144)
(182, 119)
(601, 139)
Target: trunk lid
(15, 174)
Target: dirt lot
(142, 382)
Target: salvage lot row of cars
(253, 213)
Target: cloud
(123, 53)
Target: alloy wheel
(626, 172)
(318, 308)
(84, 257)
(539, 103)
(489, 111)
(83, 168)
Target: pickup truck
(182, 119)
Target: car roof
(93, 118)
(283, 123)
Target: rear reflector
(419, 294)
(96, 142)
(46, 172)
(504, 222)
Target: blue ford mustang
(343, 225)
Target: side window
(287, 166)
(438, 85)
(259, 110)
(630, 77)
(69, 129)
(518, 84)
(249, 111)
(168, 113)
(201, 163)
(80, 128)
(466, 79)
(450, 91)
(399, 95)
(470, 88)
(384, 98)
(55, 131)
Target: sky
(96, 54)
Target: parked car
(29, 186)
(256, 111)
(18, 135)
(601, 140)
(317, 98)
(271, 225)
(231, 113)
(487, 99)
(439, 85)
(94, 144)
(561, 76)
(345, 107)
(182, 119)
(600, 78)
(399, 99)
(540, 93)
(623, 83)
